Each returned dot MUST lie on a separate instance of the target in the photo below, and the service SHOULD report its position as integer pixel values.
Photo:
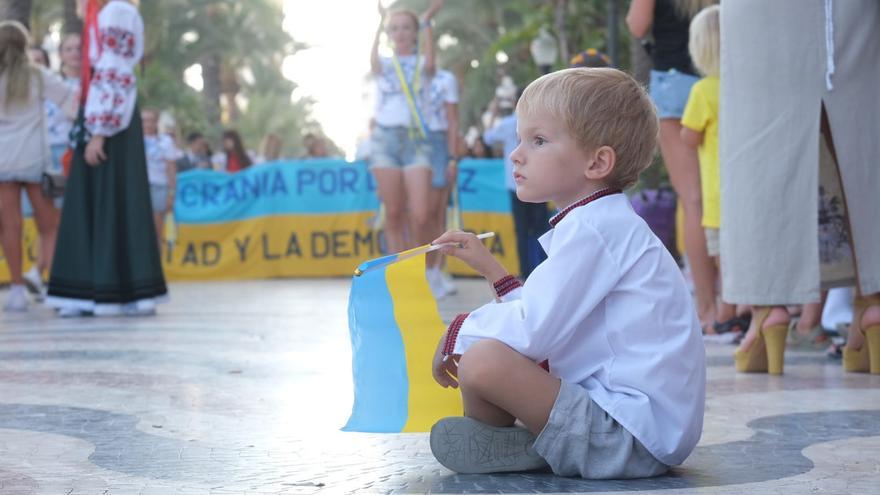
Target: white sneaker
(435, 283)
(448, 283)
(34, 282)
(140, 308)
(71, 313)
(16, 301)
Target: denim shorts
(439, 158)
(395, 147)
(670, 90)
(159, 198)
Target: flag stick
(370, 265)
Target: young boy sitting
(607, 314)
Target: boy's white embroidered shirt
(610, 310)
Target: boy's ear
(602, 163)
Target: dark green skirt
(107, 252)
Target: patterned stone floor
(240, 388)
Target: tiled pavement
(242, 387)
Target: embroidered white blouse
(610, 310)
(114, 56)
(391, 107)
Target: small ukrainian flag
(395, 328)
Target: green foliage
(289, 123)
(162, 89)
(247, 38)
(482, 28)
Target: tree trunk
(229, 89)
(560, 11)
(211, 90)
(16, 10)
(72, 22)
(613, 34)
(640, 61)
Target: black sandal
(736, 323)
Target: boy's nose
(516, 156)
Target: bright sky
(333, 70)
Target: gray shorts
(580, 439)
(713, 241)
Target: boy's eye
(539, 141)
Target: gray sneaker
(467, 446)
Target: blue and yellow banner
(395, 328)
(305, 218)
(309, 218)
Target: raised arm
(375, 64)
(430, 56)
(640, 17)
(451, 102)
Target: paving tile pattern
(242, 387)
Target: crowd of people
(594, 364)
(95, 121)
(415, 143)
(737, 147)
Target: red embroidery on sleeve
(452, 333)
(119, 41)
(506, 285)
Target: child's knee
(482, 364)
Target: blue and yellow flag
(395, 328)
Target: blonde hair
(689, 8)
(705, 41)
(15, 64)
(600, 107)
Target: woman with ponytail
(25, 151)
(111, 263)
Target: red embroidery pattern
(119, 41)
(105, 119)
(506, 285)
(589, 199)
(452, 333)
(111, 87)
(114, 78)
